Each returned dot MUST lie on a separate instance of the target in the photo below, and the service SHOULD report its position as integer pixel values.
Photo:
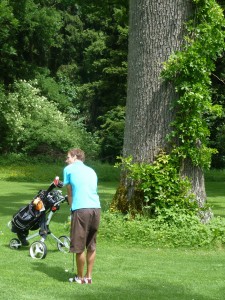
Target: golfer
(81, 183)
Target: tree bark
(156, 30)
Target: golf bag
(33, 215)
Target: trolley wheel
(64, 244)
(15, 244)
(38, 250)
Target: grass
(121, 271)
(215, 190)
(216, 197)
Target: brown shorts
(84, 227)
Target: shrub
(160, 184)
(32, 121)
(182, 231)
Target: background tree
(35, 125)
(77, 56)
(8, 30)
(155, 109)
(77, 53)
(111, 134)
(217, 128)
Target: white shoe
(77, 280)
(87, 280)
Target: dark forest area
(63, 78)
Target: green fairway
(216, 197)
(121, 272)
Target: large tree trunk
(157, 30)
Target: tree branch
(223, 81)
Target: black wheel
(64, 244)
(15, 244)
(38, 250)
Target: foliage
(55, 90)
(190, 71)
(8, 29)
(161, 184)
(104, 60)
(37, 33)
(172, 228)
(25, 112)
(218, 138)
(111, 133)
(78, 58)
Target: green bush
(161, 185)
(33, 124)
(182, 231)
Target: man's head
(75, 154)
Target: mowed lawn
(216, 197)
(121, 271)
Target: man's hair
(78, 152)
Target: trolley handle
(57, 204)
(56, 183)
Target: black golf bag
(33, 215)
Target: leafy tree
(53, 89)
(8, 30)
(166, 110)
(34, 32)
(33, 122)
(217, 133)
(79, 59)
(61, 44)
(102, 66)
(111, 134)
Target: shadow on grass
(128, 288)
(56, 272)
(15, 195)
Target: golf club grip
(51, 187)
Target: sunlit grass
(216, 197)
(45, 171)
(121, 271)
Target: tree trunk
(156, 30)
(196, 176)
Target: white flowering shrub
(32, 120)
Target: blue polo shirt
(83, 180)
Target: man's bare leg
(80, 260)
(90, 257)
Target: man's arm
(69, 194)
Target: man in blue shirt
(81, 182)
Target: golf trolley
(37, 215)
